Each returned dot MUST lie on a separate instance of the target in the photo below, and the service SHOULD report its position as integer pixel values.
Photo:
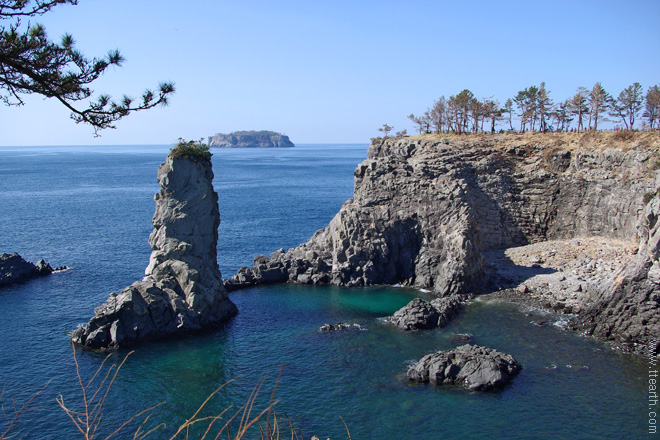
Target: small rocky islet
(458, 216)
(14, 269)
(250, 139)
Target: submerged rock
(474, 367)
(340, 326)
(14, 269)
(422, 314)
(182, 290)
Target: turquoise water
(91, 209)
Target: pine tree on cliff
(30, 63)
(599, 101)
(628, 104)
(652, 107)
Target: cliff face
(182, 290)
(424, 210)
(627, 308)
(250, 139)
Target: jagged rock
(250, 139)
(14, 269)
(182, 290)
(474, 367)
(425, 210)
(422, 314)
(627, 309)
(340, 326)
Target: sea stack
(182, 290)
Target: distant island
(250, 139)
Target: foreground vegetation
(87, 414)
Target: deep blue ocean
(91, 207)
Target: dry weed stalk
(89, 418)
(12, 418)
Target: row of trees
(535, 110)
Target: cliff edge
(182, 290)
(250, 139)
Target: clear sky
(334, 71)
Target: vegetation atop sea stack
(196, 150)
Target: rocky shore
(14, 269)
(182, 291)
(453, 215)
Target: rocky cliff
(182, 290)
(250, 139)
(626, 310)
(425, 209)
(428, 211)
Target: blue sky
(334, 71)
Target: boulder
(474, 367)
(422, 314)
(182, 290)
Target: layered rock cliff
(626, 310)
(182, 290)
(424, 210)
(250, 139)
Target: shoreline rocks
(182, 290)
(474, 367)
(14, 269)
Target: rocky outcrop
(421, 314)
(182, 290)
(474, 367)
(250, 139)
(425, 210)
(627, 308)
(14, 269)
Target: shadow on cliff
(500, 272)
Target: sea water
(90, 208)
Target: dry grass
(621, 139)
(88, 417)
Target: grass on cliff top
(621, 139)
(196, 150)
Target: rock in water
(182, 290)
(14, 269)
(421, 314)
(477, 368)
